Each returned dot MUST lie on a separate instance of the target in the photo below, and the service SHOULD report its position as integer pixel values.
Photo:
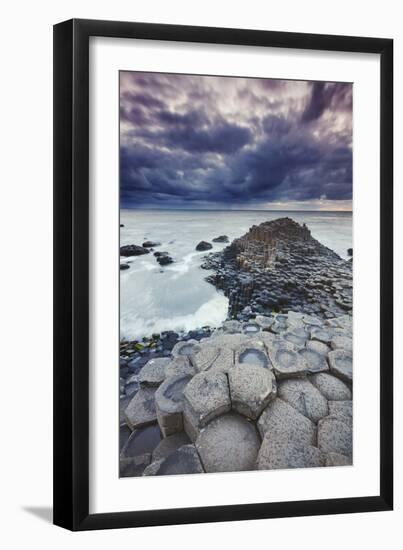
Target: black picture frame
(71, 274)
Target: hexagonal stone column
(341, 364)
(228, 444)
(283, 420)
(184, 460)
(276, 453)
(169, 404)
(331, 387)
(185, 348)
(141, 409)
(316, 362)
(206, 396)
(153, 372)
(264, 322)
(251, 389)
(286, 362)
(253, 353)
(342, 342)
(335, 436)
(343, 410)
(179, 365)
(317, 346)
(304, 397)
(295, 337)
(204, 356)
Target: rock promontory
(278, 266)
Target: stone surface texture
(271, 388)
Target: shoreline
(272, 385)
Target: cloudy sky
(222, 142)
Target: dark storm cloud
(324, 96)
(213, 142)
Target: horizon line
(232, 209)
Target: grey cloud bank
(212, 142)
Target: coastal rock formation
(203, 245)
(133, 250)
(236, 399)
(221, 239)
(279, 266)
(163, 258)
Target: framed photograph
(223, 321)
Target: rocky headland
(279, 266)
(271, 388)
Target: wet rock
(294, 338)
(322, 335)
(317, 346)
(228, 444)
(153, 372)
(343, 410)
(150, 244)
(124, 434)
(251, 388)
(186, 348)
(123, 402)
(304, 397)
(335, 436)
(281, 418)
(341, 364)
(184, 460)
(134, 466)
(264, 322)
(206, 396)
(169, 404)
(331, 387)
(141, 441)
(350, 251)
(164, 259)
(203, 245)
(132, 250)
(141, 409)
(221, 239)
(287, 363)
(316, 362)
(253, 355)
(124, 266)
(275, 453)
(278, 265)
(251, 328)
(168, 445)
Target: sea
(176, 297)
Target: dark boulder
(203, 245)
(150, 244)
(350, 251)
(124, 266)
(221, 239)
(133, 250)
(163, 258)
